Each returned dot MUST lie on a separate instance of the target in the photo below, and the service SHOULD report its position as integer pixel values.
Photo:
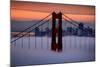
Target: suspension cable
(70, 19)
(29, 31)
(33, 25)
(73, 20)
(73, 24)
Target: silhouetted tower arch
(56, 32)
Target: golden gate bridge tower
(56, 44)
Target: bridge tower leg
(56, 44)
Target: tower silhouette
(56, 44)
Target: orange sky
(36, 11)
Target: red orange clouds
(33, 10)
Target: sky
(26, 11)
(83, 2)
